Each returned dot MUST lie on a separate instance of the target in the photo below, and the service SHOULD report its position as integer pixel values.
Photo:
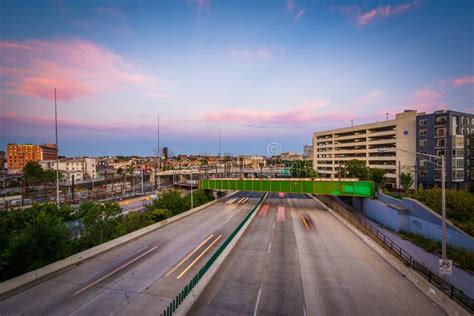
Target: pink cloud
(466, 80)
(299, 14)
(427, 100)
(427, 95)
(383, 12)
(290, 5)
(308, 113)
(76, 68)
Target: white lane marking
(116, 270)
(258, 300)
(273, 226)
(269, 247)
(304, 310)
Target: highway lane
(342, 275)
(262, 274)
(281, 267)
(133, 278)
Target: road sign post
(445, 266)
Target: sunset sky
(259, 71)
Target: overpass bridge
(347, 187)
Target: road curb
(30, 278)
(436, 295)
(200, 286)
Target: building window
(441, 120)
(458, 163)
(423, 173)
(424, 121)
(458, 175)
(441, 142)
(423, 142)
(458, 152)
(423, 163)
(441, 132)
(440, 152)
(423, 132)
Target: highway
(284, 266)
(139, 277)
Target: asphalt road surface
(286, 266)
(139, 277)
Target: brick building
(19, 154)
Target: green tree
(157, 215)
(357, 169)
(44, 240)
(172, 201)
(200, 197)
(406, 180)
(377, 176)
(302, 169)
(32, 171)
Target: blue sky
(260, 72)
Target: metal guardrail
(178, 300)
(445, 286)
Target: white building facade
(79, 169)
(332, 149)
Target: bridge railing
(359, 221)
(178, 300)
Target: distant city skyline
(263, 72)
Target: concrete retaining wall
(412, 216)
(200, 286)
(35, 275)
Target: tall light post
(443, 188)
(192, 202)
(57, 148)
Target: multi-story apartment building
(19, 154)
(372, 143)
(444, 133)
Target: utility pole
(443, 207)
(142, 181)
(57, 148)
(399, 171)
(220, 144)
(159, 156)
(192, 201)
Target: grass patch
(462, 257)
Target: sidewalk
(459, 278)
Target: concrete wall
(381, 213)
(414, 217)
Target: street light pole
(192, 202)
(443, 207)
(57, 149)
